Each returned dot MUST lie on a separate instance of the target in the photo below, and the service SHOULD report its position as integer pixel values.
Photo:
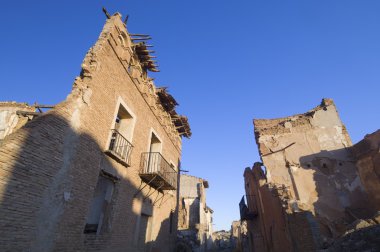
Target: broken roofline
(266, 123)
(162, 99)
(282, 125)
(145, 61)
(169, 103)
(204, 182)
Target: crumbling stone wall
(367, 153)
(193, 198)
(239, 236)
(222, 239)
(195, 217)
(266, 217)
(307, 183)
(50, 167)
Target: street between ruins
(151, 126)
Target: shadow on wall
(194, 211)
(338, 200)
(162, 234)
(60, 192)
(328, 201)
(189, 213)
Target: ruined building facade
(194, 215)
(306, 193)
(99, 170)
(239, 236)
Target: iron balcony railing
(120, 148)
(158, 171)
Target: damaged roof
(166, 99)
(169, 103)
(146, 60)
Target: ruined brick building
(239, 236)
(194, 216)
(99, 171)
(312, 187)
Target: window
(100, 205)
(155, 143)
(120, 146)
(154, 161)
(124, 122)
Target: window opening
(120, 146)
(100, 205)
(154, 162)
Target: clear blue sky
(226, 62)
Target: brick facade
(50, 168)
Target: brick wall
(50, 167)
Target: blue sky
(226, 62)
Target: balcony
(157, 172)
(120, 148)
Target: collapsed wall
(367, 153)
(194, 216)
(307, 182)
